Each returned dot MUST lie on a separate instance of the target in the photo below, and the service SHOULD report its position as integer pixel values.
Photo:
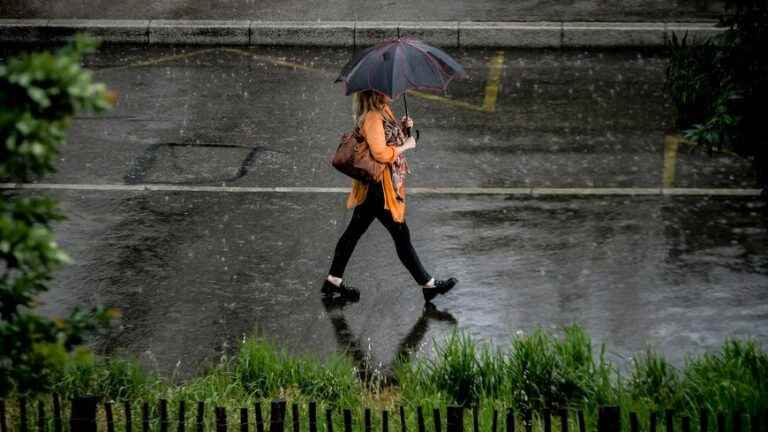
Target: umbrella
(398, 64)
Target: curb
(447, 34)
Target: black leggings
(362, 217)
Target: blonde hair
(365, 101)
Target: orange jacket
(373, 130)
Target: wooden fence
(83, 418)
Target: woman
(383, 200)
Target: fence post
(670, 420)
(295, 417)
(510, 420)
(3, 424)
(564, 420)
(277, 416)
(313, 416)
(57, 423)
(547, 414)
(385, 421)
(221, 419)
(455, 419)
(402, 419)
(420, 419)
(127, 411)
(347, 420)
(23, 414)
(634, 423)
(259, 417)
(110, 417)
(583, 422)
(182, 416)
(609, 419)
(736, 421)
(243, 419)
(163, 415)
(436, 418)
(145, 417)
(200, 418)
(475, 419)
(83, 415)
(654, 420)
(495, 421)
(328, 420)
(720, 422)
(686, 425)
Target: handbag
(353, 158)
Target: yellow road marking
(445, 100)
(277, 61)
(159, 60)
(491, 90)
(492, 84)
(671, 143)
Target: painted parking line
(536, 191)
(160, 60)
(492, 83)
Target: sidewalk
(449, 34)
(369, 10)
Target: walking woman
(383, 200)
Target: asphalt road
(193, 271)
(369, 10)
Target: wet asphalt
(369, 10)
(194, 271)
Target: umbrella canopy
(399, 64)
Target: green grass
(539, 370)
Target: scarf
(394, 136)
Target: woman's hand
(407, 122)
(410, 143)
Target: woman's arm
(373, 131)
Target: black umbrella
(396, 65)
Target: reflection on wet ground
(350, 343)
(193, 272)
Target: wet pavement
(194, 271)
(369, 10)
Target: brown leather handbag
(353, 157)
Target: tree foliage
(39, 94)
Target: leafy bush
(39, 94)
(719, 87)
(691, 79)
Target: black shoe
(346, 292)
(441, 287)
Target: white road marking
(413, 190)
